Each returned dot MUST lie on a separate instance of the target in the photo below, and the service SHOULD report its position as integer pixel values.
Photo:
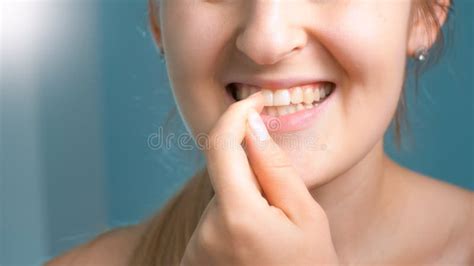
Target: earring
(162, 55)
(421, 54)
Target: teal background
(78, 104)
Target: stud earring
(162, 55)
(421, 54)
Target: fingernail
(257, 126)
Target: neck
(352, 200)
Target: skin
(348, 203)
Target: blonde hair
(168, 232)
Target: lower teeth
(287, 109)
(284, 109)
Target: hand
(261, 213)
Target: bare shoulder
(458, 203)
(113, 247)
(446, 213)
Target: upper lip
(273, 84)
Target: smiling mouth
(285, 101)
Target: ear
(154, 20)
(424, 29)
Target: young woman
(293, 98)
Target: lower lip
(296, 121)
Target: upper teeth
(306, 94)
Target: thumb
(282, 186)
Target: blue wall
(440, 143)
(75, 122)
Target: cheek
(373, 40)
(192, 44)
(376, 40)
(371, 49)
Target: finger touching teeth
(286, 100)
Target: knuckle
(242, 233)
(279, 163)
(206, 237)
(240, 225)
(277, 159)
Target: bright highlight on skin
(257, 126)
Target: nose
(270, 33)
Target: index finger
(234, 183)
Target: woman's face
(358, 46)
